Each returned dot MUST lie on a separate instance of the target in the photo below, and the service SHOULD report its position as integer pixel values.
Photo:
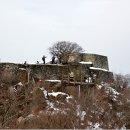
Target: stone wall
(83, 70)
(14, 73)
(11, 73)
(103, 76)
(98, 61)
(79, 70)
(49, 71)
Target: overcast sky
(29, 27)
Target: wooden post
(81, 74)
(79, 91)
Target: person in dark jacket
(43, 58)
(59, 59)
(25, 62)
(53, 59)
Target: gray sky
(29, 27)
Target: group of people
(53, 60)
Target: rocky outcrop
(12, 74)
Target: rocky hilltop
(40, 96)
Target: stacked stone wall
(99, 61)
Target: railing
(69, 79)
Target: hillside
(55, 105)
(80, 93)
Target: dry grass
(27, 108)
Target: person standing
(59, 59)
(25, 62)
(43, 59)
(53, 59)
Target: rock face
(99, 61)
(23, 75)
(12, 74)
(38, 100)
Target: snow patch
(59, 81)
(50, 104)
(88, 80)
(22, 69)
(42, 89)
(99, 86)
(20, 84)
(80, 114)
(45, 93)
(93, 68)
(83, 113)
(112, 91)
(68, 97)
(94, 126)
(83, 62)
(56, 93)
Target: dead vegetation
(26, 105)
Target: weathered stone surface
(98, 61)
(49, 71)
(14, 73)
(11, 73)
(7, 73)
(22, 75)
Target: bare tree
(61, 47)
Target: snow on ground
(80, 114)
(110, 90)
(94, 126)
(68, 97)
(93, 68)
(45, 93)
(51, 104)
(99, 86)
(54, 81)
(22, 69)
(56, 93)
(30, 116)
(83, 113)
(83, 62)
(20, 84)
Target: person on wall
(43, 59)
(53, 59)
